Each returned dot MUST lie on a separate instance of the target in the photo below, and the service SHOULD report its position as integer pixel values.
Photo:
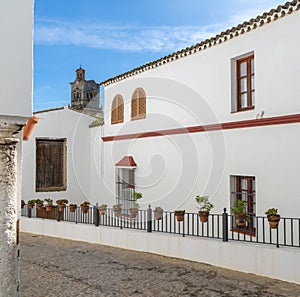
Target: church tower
(84, 93)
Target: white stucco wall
(201, 83)
(74, 126)
(196, 90)
(16, 33)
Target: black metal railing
(219, 226)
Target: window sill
(138, 118)
(242, 110)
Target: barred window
(243, 187)
(138, 104)
(117, 110)
(51, 165)
(125, 185)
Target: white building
(219, 118)
(16, 107)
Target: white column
(9, 249)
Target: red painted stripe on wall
(280, 120)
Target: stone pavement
(64, 268)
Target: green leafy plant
(239, 206)
(85, 204)
(272, 212)
(62, 201)
(103, 206)
(158, 209)
(204, 203)
(39, 201)
(137, 195)
(117, 206)
(32, 201)
(48, 201)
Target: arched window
(138, 104)
(117, 110)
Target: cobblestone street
(64, 268)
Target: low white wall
(279, 263)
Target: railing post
(96, 215)
(28, 212)
(225, 225)
(57, 213)
(149, 219)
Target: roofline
(48, 110)
(247, 26)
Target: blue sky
(111, 37)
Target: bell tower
(84, 93)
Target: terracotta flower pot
(61, 208)
(240, 219)
(133, 212)
(203, 215)
(30, 206)
(84, 209)
(49, 207)
(102, 212)
(158, 215)
(39, 206)
(273, 221)
(73, 207)
(179, 214)
(22, 204)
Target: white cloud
(128, 38)
(131, 38)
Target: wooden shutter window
(245, 83)
(138, 104)
(50, 165)
(117, 110)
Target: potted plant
(31, 203)
(273, 217)
(135, 209)
(239, 212)
(61, 203)
(85, 206)
(158, 213)
(102, 209)
(179, 214)
(22, 203)
(73, 207)
(205, 206)
(39, 204)
(117, 209)
(49, 204)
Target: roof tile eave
(245, 27)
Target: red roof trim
(280, 120)
(126, 161)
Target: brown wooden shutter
(114, 111)
(120, 110)
(51, 165)
(138, 104)
(134, 108)
(117, 110)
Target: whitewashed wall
(201, 83)
(196, 90)
(73, 126)
(16, 33)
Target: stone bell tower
(84, 93)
